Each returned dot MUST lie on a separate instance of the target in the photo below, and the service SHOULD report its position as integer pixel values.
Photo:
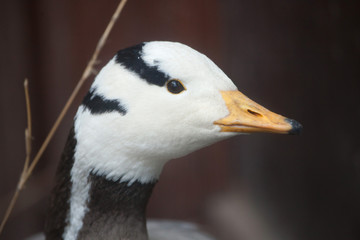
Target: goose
(150, 103)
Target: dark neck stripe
(98, 104)
(116, 210)
(59, 206)
(131, 59)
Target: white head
(137, 115)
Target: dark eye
(175, 86)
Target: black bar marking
(131, 59)
(98, 104)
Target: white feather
(158, 125)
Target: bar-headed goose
(151, 103)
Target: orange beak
(247, 116)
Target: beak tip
(296, 127)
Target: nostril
(256, 114)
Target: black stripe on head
(98, 104)
(131, 58)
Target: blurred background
(298, 58)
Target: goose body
(151, 103)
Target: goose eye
(175, 86)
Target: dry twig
(24, 172)
(29, 167)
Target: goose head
(158, 101)
(151, 103)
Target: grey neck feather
(115, 210)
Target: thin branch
(9, 209)
(28, 130)
(28, 168)
(84, 76)
(21, 182)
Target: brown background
(298, 58)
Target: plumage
(151, 103)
